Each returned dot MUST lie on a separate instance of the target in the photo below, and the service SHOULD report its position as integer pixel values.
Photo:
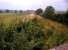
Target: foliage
(39, 11)
(0, 11)
(61, 17)
(7, 11)
(31, 34)
(49, 11)
(6, 37)
(21, 36)
(16, 35)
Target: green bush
(31, 35)
(6, 37)
(21, 36)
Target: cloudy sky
(32, 4)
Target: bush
(6, 37)
(21, 36)
(30, 36)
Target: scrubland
(30, 32)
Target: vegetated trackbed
(46, 23)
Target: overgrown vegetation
(16, 35)
(51, 13)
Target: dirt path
(61, 47)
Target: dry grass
(49, 24)
(46, 23)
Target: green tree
(15, 11)
(66, 17)
(39, 11)
(1, 11)
(66, 14)
(21, 11)
(7, 11)
(49, 11)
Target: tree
(15, 11)
(21, 11)
(7, 11)
(66, 17)
(49, 11)
(39, 11)
(66, 14)
(1, 11)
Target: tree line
(51, 13)
(11, 11)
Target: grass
(55, 33)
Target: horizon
(59, 5)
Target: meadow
(27, 32)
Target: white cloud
(32, 4)
(22, 2)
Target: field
(30, 32)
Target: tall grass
(31, 35)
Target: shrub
(31, 35)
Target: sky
(33, 4)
